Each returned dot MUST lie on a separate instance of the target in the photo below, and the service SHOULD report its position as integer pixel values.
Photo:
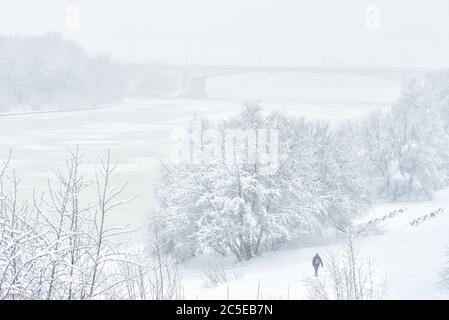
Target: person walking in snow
(317, 262)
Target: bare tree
(64, 247)
(20, 240)
(105, 251)
(67, 225)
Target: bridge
(193, 77)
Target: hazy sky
(393, 32)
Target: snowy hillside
(411, 256)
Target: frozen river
(138, 133)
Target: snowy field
(411, 257)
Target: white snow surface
(411, 257)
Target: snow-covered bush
(22, 249)
(139, 276)
(217, 275)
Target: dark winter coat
(317, 261)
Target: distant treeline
(50, 72)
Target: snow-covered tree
(49, 72)
(404, 151)
(239, 209)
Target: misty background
(283, 32)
